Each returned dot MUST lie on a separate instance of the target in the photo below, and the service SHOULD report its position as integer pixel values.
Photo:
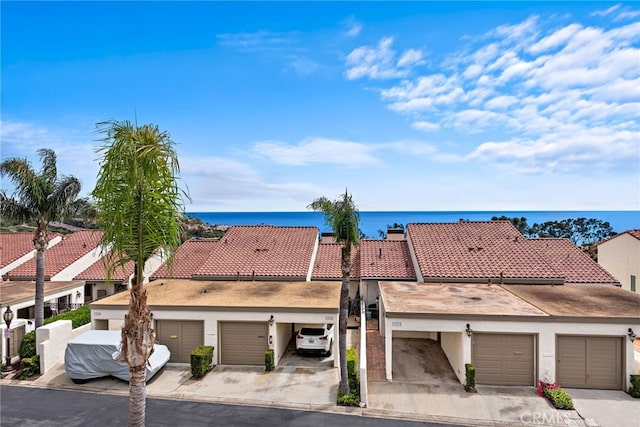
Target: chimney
(394, 233)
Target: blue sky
(412, 106)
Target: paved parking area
(292, 358)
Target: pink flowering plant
(556, 395)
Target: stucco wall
(546, 333)
(453, 346)
(211, 319)
(620, 256)
(281, 333)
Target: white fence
(52, 339)
(363, 354)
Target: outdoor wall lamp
(8, 317)
(632, 336)
(468, 330)
(271, 320)
(78, 294)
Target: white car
(315, 340)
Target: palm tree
(140, 210)
(343, 217)
(41, 198)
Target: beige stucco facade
(620, 256)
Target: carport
(239, 319)
(513, 334)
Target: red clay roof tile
(261, 251)
(476, 251)
(16, 245)
(60, 256)
(386, 259)
(570, 261)
(189, 257)
(328, 263)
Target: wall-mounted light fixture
(632, 336)
(468, 330)
(271, 320)
(78, 294)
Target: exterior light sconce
(632, 336)
(270, 339)
(8, 317)
(468, 330)
(271, 320)
(78, 294)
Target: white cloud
(606, 12)
(561, 97)
(425, 126)
(379, 62)
(302, 66)
(354, 29)
(318, 151)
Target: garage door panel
(504, 359)
(181, 337)
(589, 362)
(243, 343)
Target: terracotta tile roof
(98, 272)
(262, 251)
(189, 257)
(16, 245)
(328, 263)
(482, 250)
(60, 256)
(385, 259)
(571, 262)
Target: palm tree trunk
(138, 338)
(344, 314)
(40, 242)
(137, 395)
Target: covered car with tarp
(96, 354)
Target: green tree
(519, 223)
(581, 231)
(140, 208)
(39, 197)
(342, 216)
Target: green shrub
(634, 390)
(28, 345)
(80, 316)
(353, 398)
(559, 398)
(30, 366)
(269, 360)
(201, 360)
(470, 374)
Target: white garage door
(504, 359)
(243, 343)
(589, 362)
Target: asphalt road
(35, 407)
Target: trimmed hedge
(556, 395)
(353, 398)
(470, 378)
(201, 360)
(269, 360)
(634, 390)
(80, 316)
(28, 345)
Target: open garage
(513, 334)
(239, 319)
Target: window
(633, 283)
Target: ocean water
(371, 222)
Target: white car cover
(95, 354)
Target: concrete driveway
(425, 387)
(288, 386)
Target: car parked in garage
(315, 339)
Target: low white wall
(52, 339)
